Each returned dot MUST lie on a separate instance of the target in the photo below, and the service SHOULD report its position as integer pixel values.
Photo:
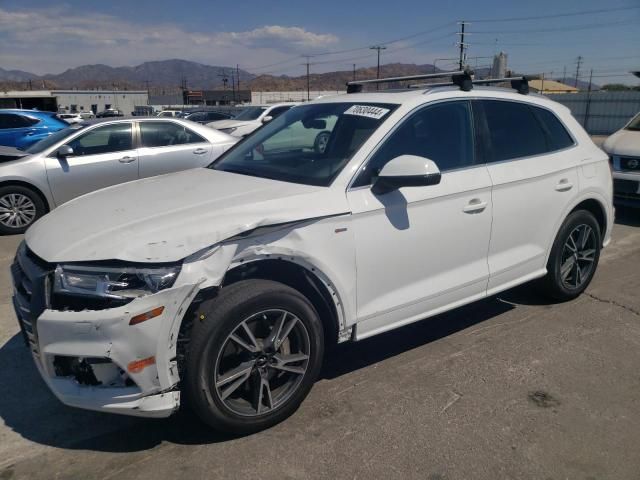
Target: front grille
(630, 164)
(32, 284)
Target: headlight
(228, 130)
(121, 283)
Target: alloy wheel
(578, 256)
(262, 362)
(16, 210)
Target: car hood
(167, 218)
(623, 142)
(228, 123)
(10, 153)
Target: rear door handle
(127, 159)
(200, 151)
(564, 185)
(475, 206)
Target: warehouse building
(75, 101)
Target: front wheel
(254, 356)
(19, 208)
(574, 257)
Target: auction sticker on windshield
(367, 111)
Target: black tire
(556, 284)
(35, 210)
(210, 336)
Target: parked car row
(96, 154)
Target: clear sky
(271, 36)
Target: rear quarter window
(557, 135)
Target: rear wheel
(574, 256)
(19, 208)
(254, 357)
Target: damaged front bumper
(96, 360)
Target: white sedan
(250, 119)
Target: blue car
(23, 128)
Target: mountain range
(168, 76)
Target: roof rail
(462, 78)
(521, 83)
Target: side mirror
(267, 119)
(64, 151)
(406, 171)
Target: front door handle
(127, 159)
(475, 206)
(564, 185)
(200, 151)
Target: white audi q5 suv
(228, 283)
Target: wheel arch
(30, 186)
(306, 279)
(596, 208)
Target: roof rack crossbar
(355, 86)
(521, 84)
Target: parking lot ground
(511, 387)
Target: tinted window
(107, 139)
(165, 134)
(513, 130)
(197, 117)
(439, 132)
(9, 120)
(213, 116)
(557, 136)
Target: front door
(422, 249)
(167, 147)
(102, 156)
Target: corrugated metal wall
(601, 113)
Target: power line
(558, 29)
(557, 15)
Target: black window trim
(486, 145)
(405, 118)
(138, 137)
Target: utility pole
(307, 63)
(354, 72)
(587, 108)
(225, 79)
(564, 75)
(578, 63)
(238, 78)
(463, 46)
(233, 86)
(378, 48)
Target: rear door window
(513, 130)
(166, 134)
(11, 120)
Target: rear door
(534, 177)
(167, 146)
(13, 127)
(103, 156)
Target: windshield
(52, 139)
(250, 113)
(309, 144)
(634, 124)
